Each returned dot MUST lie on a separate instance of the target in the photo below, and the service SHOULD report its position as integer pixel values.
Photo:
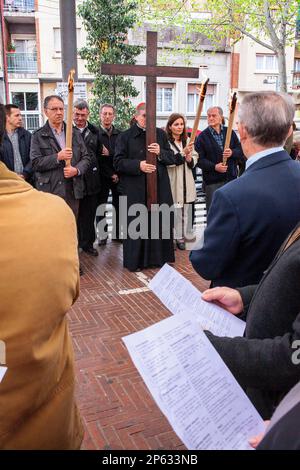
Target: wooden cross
(151, 71)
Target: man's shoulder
(116, 131)
(24, 132)
(94, 129)
(55, 205)
(203, 135)
(41, 130)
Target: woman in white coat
(181, 176)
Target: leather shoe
(91, 251)
(102, 242)
(181, 245)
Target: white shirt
(264, 153)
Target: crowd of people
(249, 252)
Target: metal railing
(21, 62)
(23, 6)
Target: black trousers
(102, 199)
(86, 221)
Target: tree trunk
(282, 85)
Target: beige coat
(38, 284)
(176, 175)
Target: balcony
(19, 11)
(21, 62)
(24, 6)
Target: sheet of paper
(180, 296)
(2, 372)
(192, 385)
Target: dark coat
(92, 179)
(210, 154)
(106, 162)
(48, 171)
(262, 361)
(283, 432)
(130, 151)
(7, 153)
(248, 220)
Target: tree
(107, 23)
(270, 23)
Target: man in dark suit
(49, 155)
(251, 216)
(265, 362)
(15, 151)
(210, 147)
(109, 177)
(92, 182)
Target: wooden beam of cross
(151, 71)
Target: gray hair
(267, 116)
(81, 104)
(218, 108)
(52, 97)
(107, 105)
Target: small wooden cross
(151, 71)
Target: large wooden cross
(151, 71)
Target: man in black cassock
(130, 163)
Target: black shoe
(80, 271)
(102, 242)
(181, 245)
(91, 251)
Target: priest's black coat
(129, 152)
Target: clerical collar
(143, 128)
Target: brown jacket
(38, 285)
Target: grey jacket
(49, 174)
(262, 360)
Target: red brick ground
(117, 409)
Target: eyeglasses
(56, 109)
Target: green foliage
(107, 23)
(270, 23)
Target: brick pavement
(117, 409)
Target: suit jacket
(262, 360)
(49, 172)
(106, 162)
(210, 154)
(7, 153)
(91, 178)
(248, 220)
(37, 288)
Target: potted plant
(11, 47)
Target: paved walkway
(117, 409)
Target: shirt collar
(55, 131)
(213, 131)
(264, 153)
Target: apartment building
(31, 65)
(32, 55)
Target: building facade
(31, 65)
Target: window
(193, 97)
(297, 65)
(57, 38)
(29, 106)
(266, 62)
(165, 97)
